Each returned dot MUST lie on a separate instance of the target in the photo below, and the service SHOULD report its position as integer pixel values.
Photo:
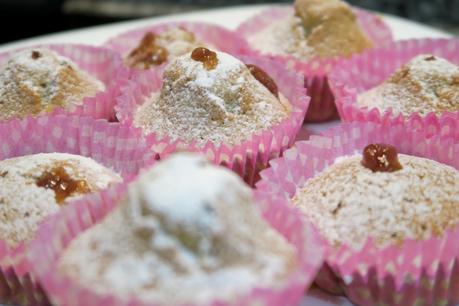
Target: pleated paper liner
(104, 64)
(365, 71)
(247, 158)
(114, 145)
(80, 215)
(415, 273)
(316, 71)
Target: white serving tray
(230, 18)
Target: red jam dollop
(62, 184)
(264, 79)
(381, 158)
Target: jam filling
(36, 55)
(62, 184)
(207, 57)
(147, 53)
(381, 158)
(264, 79)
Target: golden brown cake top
(38, 80)
(425, 84)
(331, 28)
(212, 96)
(187, 232)
(382, 196)
(34, 186)
(323, 29)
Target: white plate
(231, 18)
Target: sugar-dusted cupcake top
(382, 195)
(425, 84)
(38, 80)
(156, 49)
(319, 28)
(34, 186)
(212, 96)
(186, 232)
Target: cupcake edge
(63, 291)
(416, 271)
(376, 65)
(94, 61)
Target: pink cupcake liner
(114, 145)
(218, 37)
(316, 71)
(415, 273)
(101, 63)
(365, 71)
(80, 215)
(247, 158)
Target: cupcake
(38, 80)
(412, 82)
(153, 46)
(59, 78)
(387, 202)
(46, 163)
(426, 84)
(208, 99)
(202, 241)
(212, 96)
(388, 196)
(35, 186)
(318, 29)
(310, 38)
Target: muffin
(381, 194)
(38, 80)
(311, 37)
(185, 232)
(425, 84)
(35, 186)
(156, 49)
(209, 96)
(317, 29)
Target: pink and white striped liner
(247, 158)
(114, 145)
(415, 273)
(316, 71)
(75, 218)
(101, 63)
(365, 71)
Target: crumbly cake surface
(319, 28)
(350, 203)
(23, 204)
(187, 232)
(425, 84)
(38, 80)
(223, 105)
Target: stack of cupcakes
(100, 205)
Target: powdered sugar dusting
(350, 203)
(23, 205)
(285, 36)
(187, 232)
(226, 104)
(425, 84)
(37, 80)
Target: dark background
(27, 18)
